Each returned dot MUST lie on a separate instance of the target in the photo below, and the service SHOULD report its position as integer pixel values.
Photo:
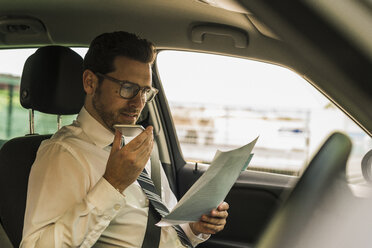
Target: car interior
(309, 38)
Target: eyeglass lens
(129, 91)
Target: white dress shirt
(70, 204)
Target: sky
(217, 79)
(12, 60)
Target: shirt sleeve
(62, 208)
(170, 201)
(194, 239)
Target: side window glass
(14, 119)
(220, 102)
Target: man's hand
(125, 164)
(212, 223)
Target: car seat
(51, 83)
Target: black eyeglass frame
(140, 89)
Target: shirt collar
(100, 135)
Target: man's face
(107, 102)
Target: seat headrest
(52, 81)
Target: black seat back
(51, 83)
(15, 167)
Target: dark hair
(106, 47)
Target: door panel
(253, 199)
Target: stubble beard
(109, 118)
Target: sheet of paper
(212, 187)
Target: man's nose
(138, 100)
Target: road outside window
(220, 102)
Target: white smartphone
(129, 130)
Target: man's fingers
(214, 220)
(210, 228)
(117, 141)
(218, 214)
(144, 152)
(140, 148)
(141, 139)
(223, 206)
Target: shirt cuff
(194, 239)
(106, 199)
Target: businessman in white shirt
(83, 189)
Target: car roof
(295, 35)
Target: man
(83, 188)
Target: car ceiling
(170, 24)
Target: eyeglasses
(129, 90)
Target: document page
(212, 187)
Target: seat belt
(155, 168)
(152, 235)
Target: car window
(14, 119)
(220, 102)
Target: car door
(253, 199)
(290, 121)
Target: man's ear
(90, 82)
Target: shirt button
(117, 207)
